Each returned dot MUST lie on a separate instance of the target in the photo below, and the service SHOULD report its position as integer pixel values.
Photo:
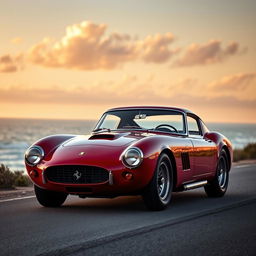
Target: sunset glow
(92, 55)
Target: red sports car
(148, 151)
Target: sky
(76, 59)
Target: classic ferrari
(147, 151)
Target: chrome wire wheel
(163, 182)
(157, 194)
(217, 186)
(222, 173)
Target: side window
(193, 128)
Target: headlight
(34, 155)
(132, 157)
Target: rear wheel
(157, 194)
(49, 198)
(218, 186)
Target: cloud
(208, 53)
(242, 86)
(147, 92)
(237, 82)
(151, 96)
(156, 48)
(87, 46)
(10, 64)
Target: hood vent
(102, 137)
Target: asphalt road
(192, 225)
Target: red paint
(105, 153)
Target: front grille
(76, 174)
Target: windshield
(149, 119)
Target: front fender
(50, 143)
(153, 146)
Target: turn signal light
(128, 175)
(33, 174)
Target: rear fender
(222, 143)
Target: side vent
(185, 161)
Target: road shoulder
(18, 192)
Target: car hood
(105, 139)
(96, 149)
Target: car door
(204, 150)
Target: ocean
(16, 135)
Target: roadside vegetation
(9, 179)
(247, 153)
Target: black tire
(157, 194)
(218, 186)
(49, 198)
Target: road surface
(192, 225)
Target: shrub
(21, 180)
(10, 179)
(7, 178)
(248, 152)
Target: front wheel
(49, 198)
(218, 186)
(157, 194)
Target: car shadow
(127, 204)
(122, 203)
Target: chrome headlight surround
(34, 155)
(132, 157)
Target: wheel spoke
(163, 181)
(222, 173)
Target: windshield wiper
(101, 130)
(131, 127)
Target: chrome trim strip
(27, 151)
(44, 178)
(195, 184)
(185, 116)
(111, 178)
(100, 121)
(206, 173)
(124, 152)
